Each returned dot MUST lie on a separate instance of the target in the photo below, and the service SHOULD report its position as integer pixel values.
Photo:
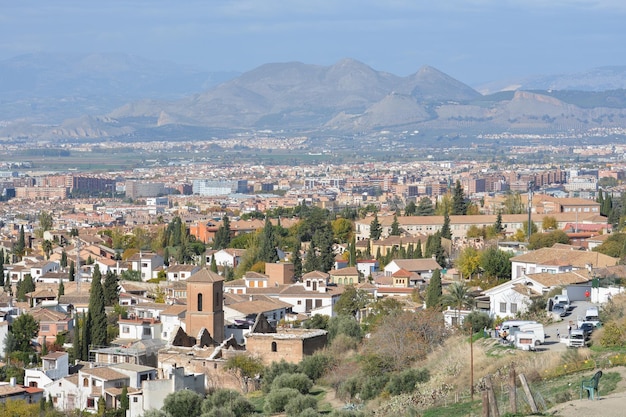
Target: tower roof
(205, 275)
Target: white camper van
(510, 327)
(525, 341)
(537, 329)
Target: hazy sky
(472, 40)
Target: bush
(299, 403)
(226, 402)
(301, 382)
(309, 412)
(220, 412)
(405, 381)
(277, 399)
(183, 403)
(479, 321)
(373, 386)
(315, 366)
(611, 335)
(349, 388)
(275, 369)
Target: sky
(474, 41)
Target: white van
(510, 327)
(537, 329)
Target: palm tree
(458, 296)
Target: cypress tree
(434, 291)
(418, 251)
(166, 257)
(311, 263)
(376, 230)
(97, 315)
(20, 246)
(445, 229)
(222, 236)
(77, 350)
(296, 259)
(111, 289)
(395, 226)
(86, 337)
(497, 227)
(1, 274)
(267, 244)
(72, 272)
(352, 260)
(63, 260)
(124, 404)
(213, 266)
(61, 290)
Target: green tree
(459, 205)
(395, 226)
(24, 329)
(376, 229)
(351, 301)
(546, 240)
(425, 207)
(445, 228)
(496, 264)
(312, 261)
(434, 291)
(244, 367)
(267, 243)
(63, 261)
(411, 208)
(1, 274)
(183, 403)
(20, 245)
(222, 236)
(46, 246)
(85, 342)
(97, 314)
(124, 403)
(513, 204)
(71, 273)
(497, 226)
(45, 221)
(24, 287)
(77, 350)
(296, 259)
(111, 289)
(352, 252)
(213, 266)
(346, 325)
(61, 290)
(549, 223)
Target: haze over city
(471, 40)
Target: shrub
(275, 369)
(183, 404)
(301, 382)
(309, 412)
(479, 321)
(373, 386)
(611, 335)
(315, 366)
(405, 381)
(220, 412)
(277, 399)
(298, 403)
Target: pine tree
(97, 315)
(376, 230)
(445, 229)
(61, 290)
(459, 206)
(72, 272)
(434, 291)
(395, 226)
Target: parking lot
(552, 343)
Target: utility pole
(531, 184)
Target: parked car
(559, 309)
(587, 329)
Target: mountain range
(51, 97)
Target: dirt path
(612, 405)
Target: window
(45, 328)
(199, 302)
(85, 382)
(299, 302)
(274, 347)
(502, 307)
(135, 399)
(91, 403)
(147, 331)
(125, 329)
(513, 308)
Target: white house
(54, 366)
(172, 318)
(147, 263)
(420, 266)
(181, 272)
